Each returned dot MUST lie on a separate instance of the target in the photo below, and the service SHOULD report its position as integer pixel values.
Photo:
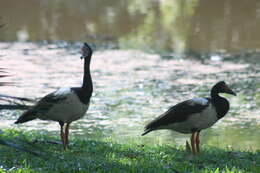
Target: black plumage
(177, 113)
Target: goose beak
(229, 91)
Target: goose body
(194, 115)
(68, 109)
(199, 120)
(66, 104)
(62, 105)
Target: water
(131, 88)
(160, 25)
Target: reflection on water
(131, 88)
(192, 25)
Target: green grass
(108, 156)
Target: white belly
(197, 121)
(67, 110)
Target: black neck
(87, 85)
(221, 104)
(85, 91)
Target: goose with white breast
(194, 115)
(64, 105)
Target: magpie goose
(191, 116)
(64, 105)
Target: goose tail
(26, 116)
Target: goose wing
(44, 105)
(48, 101)
(178, 113)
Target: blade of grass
(14, 107)
(17, 98)
(20, 148)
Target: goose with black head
(194, 115)
(64, 105)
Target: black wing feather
(48, 101)
(178, 113)
(44, 105)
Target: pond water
(132, 87)
(158, 25)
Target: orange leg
(67, 135)
(62, 135)
(198, 142)
(193, 141)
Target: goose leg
(193, 145)
(198, 142)
(62, 135)
(67, 135)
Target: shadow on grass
(107, 156)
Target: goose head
(222, 87)
(86, 51)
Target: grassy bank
(108, 156)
